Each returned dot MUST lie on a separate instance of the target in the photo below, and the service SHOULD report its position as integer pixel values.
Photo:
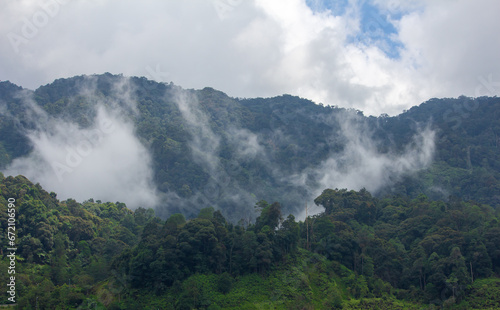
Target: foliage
(431, 240)
(294, 135)
(411, 252)
(64, 248)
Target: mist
(205, 143)
(105, 161)
(361, 164)
(221, 190)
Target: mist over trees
(210, 191)
(194, 148)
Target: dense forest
(407, 207)
(210, 149)
(360, 253)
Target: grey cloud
(262, 48)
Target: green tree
(288, 235)
(459, 277)
(224, 283)
(270, 215)
(206, 213)
(59, 260)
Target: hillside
(361, 253)
(207, 149)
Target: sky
(378, 56)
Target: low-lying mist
(105, 161)
(362, 165)
(359, 165)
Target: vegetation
(427, 240)
(63, 248)
(294, 136)
(361, 253)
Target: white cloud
(452, 44)
(361, 165)
(260, 48)
(105, 161)
(205, 143)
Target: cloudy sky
(379, 56)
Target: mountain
(199, 148)
(408, 204)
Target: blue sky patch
(337, 8)
(375, 28)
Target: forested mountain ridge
(428, 237)
(211, 149)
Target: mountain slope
(206, 148)
(361, 253)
